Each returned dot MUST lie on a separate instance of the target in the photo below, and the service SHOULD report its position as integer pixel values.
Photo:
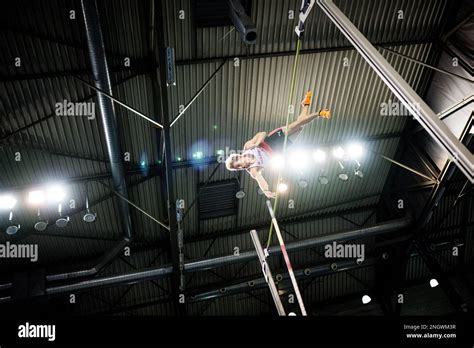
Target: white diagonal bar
(267, 273)
(460, 154)
(287, 259)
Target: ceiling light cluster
(300, 159)
(40, 199)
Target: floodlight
(7, 202)
(319, 156)
(41, 224)
(62, 221)
(36, 197)
(89, 216)
(12, 228)
(338, 152)
(355, 151)
(298, 159)
(56, 193)
(277, 161)
(434, 283)
(366, 299)
(282, 187)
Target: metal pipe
(100, 71)
(259, 283)
(103, 261)
(404, 92)
(102, 79)
(128, 278)
(201, 265)
(5, 286)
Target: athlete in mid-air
(259, 150)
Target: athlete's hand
(270, 194)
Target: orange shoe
(307, 98)
(325, 113)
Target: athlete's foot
(307, 99)
(325, 113)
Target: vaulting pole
(287, 259)
(267, 273)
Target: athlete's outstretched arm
(255, 141)
(262, 183)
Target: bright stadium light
(277, 161)
(355, 151)
(366, 299)
(319, 156)
(198, 155)
(282, 187)
(434, 283)
(56, 193)
(7, 202)
(338, 152)
(36, 197)
(298, 159)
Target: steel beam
(207, 264)
(160, 47)
(291, 53)
(463, 158)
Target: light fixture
(292, 314)
(355, 151)
(7, 202)
(36, 197)
(56, 193)
(89, 216)
(40, 225)
(302, 183)
(12, 228)
(240, 194)
(434, 283)
(282, 187)
(298, 159)
(62, 221)
(197, 155)
(366, 299)
(342, 175)
(277, 161)
(322, 178)
(319, 156)
(358, 173)
(338, 152)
